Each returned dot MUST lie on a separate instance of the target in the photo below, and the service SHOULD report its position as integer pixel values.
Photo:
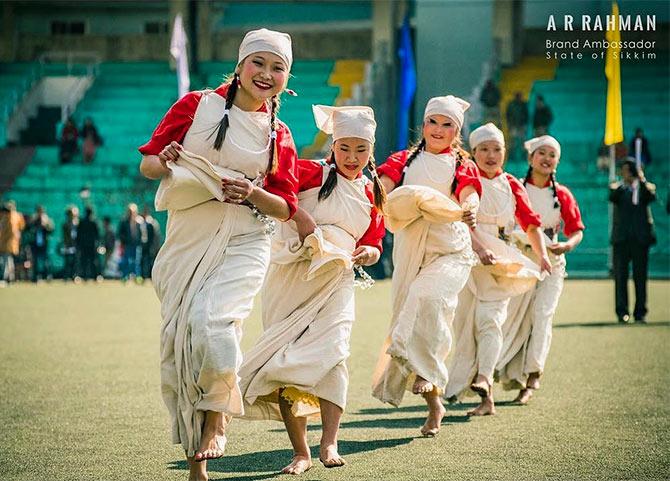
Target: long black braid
(225, 121)
(378, 188)
(273, 161)
(413, 153)
(331, 181)
(552, 179)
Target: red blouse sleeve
(524, 213)
(572, 218)
(310, 174)
(284, 182)
(174, 125)
(468, 174)
(394, 165)
(375, 234)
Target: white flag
(178, 51)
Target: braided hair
(331, 180)
(413, 153)
(552, 180)
(222, 128)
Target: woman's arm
(469, 195)
(388, 184)
(154, 166)
(537, 243)
(304, 223)
(573, 241)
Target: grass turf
(80, 399)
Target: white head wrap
(351, 121)
(486, 133)
(449, 106)
(265, 40)
(546, 140)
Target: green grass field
(79, 399)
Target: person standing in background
(41, 227)
(130, 237)
(632, 236)
(108, 242)
(70, 231)
(151, 242)
(542, 117)
(87, 244)
(490, 99)
(11, 225)
(92, 140)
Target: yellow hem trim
(293, 395)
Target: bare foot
(299, 465)
(197, 470)
(436, 412)
(421, 386)
(213, 440)
(524, 396)
(485, 408)
(533, 381)
(330, 458)
(481, 386)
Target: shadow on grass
(386, 423)
(391, 410)
(270, 463)
(612, 324)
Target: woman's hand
(559, 248)
(487, 257)
(365, 255)
(304, 223)
(236, 191)
(470, 218)
(170, 152)
(545, 265)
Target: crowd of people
(90, 250)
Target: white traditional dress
(482, 304)
(308, 300)
(432, 261)
(528, 328)
(215, 254)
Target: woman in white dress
(503, 272)
(432, 260)
(226, 165)
(297, 369)
(527, 331)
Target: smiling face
(439, 131)
(351, 155)
(544, 160)
(262, 75)
(490, 156)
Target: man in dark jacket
(542, 117)
(632, 236)
(87, 242)
(517, 124)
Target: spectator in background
(632, 236)
(542, 117)
(92, 140)
(41, 227)
(151, 242)
(490, 99)
(11, 225)
(70, 232)
(517, 124)
(645, 155)
(108, 242)
(87, 244)
(130, 239)
(68, 142)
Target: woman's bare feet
(486, 407)
(299, 464)
(213, 440)
(533, 381)
(421, 386)
(329, 456)
(436, 412)
(481, 386)
(524, 396)
(197, 470)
